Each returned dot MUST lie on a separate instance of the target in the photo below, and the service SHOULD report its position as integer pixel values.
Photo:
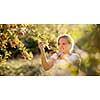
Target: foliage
(10, 44)
(24, 70)
(91, 49)
(21, 41)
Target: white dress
(61, 66)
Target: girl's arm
(46, 64)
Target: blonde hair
(69, 39)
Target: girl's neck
(67, 53)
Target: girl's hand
(41, 45)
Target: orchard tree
(11, 45)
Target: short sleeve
(54, 56)
(74, 58)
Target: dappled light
(20, 54)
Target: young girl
(62, 63)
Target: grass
(21, 67)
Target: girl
(62, 63)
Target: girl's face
(64, 46)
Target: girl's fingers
(41, 44)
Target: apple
(21, 33)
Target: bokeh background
(20, 55)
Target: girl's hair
(69, 39)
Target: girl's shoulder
(54, 56)
(74, 57)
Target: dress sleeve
(54, 56)
(75, 58)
